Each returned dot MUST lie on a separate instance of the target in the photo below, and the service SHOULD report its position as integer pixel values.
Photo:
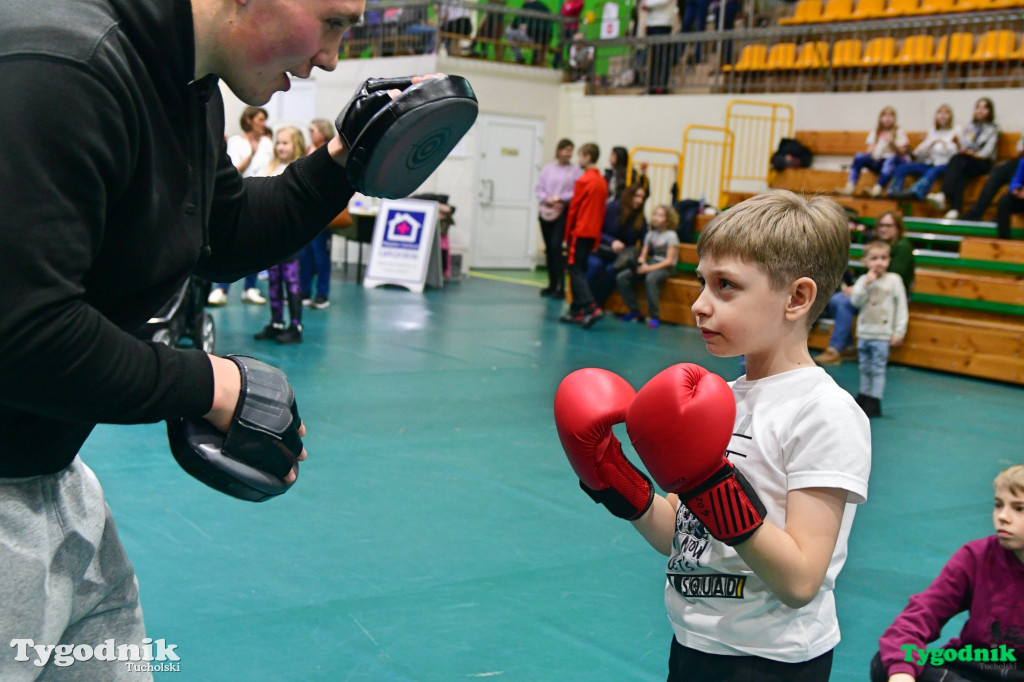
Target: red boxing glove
(680, 424)
(587, 404)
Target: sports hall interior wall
(615, 120)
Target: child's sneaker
(653, 323)
(253, 296)
(217, 297)
(270, 332)
(875, 192)
(937, 200)
(829, 357)
(292, 335)
(320, 303)
(629, 317)
(847, 189)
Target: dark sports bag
(791, 154)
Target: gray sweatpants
(64, 579)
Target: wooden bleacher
(967, 309)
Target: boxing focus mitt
(395, 144)
(261, 445)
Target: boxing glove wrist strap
(727, 505)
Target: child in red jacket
(582, 232)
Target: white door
(506, 228)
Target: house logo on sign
(404, 229)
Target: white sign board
(406, 248)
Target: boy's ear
(801, 297)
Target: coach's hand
(251, 451)
(395, 132)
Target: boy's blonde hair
(788, 237)
(1012, 479)
(877, 245)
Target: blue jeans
(250, 283)
(872, 356)
(315, 259)
(883, 167)
(600, 277)
(927, 173)
(843, 312)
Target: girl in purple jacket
(985, 578)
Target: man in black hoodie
(115, 185)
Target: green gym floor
(437, 531)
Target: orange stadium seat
(837, 10)
(915, 50)
(880, 51)
(846, 53)
(869, 9)
(752, 58)
(973, 5)
(806, 12)
(812, 55)
(901, 8)
(782, 56)
(935, 7)
(996, 46)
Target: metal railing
(975, 50)
(980, 49)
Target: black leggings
(553, 232)
(690, 665)
(960, 169)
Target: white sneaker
(875, 191)
(217, 297)
(847, 189)
(253, 296)
(952, 214)
(937, 200)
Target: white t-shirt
(793, 430)
(239, 149)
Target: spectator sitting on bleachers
(886, 145)
(889, 228)
(1011, 202)
(539, 31)
(998, 178)
(624, 226)
(515, 34)
(978, 148)
(655, 264)
(581, 59)
(931, 157)
(454, 19)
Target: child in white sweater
(881, 323)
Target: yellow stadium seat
(837, 10)
(935, 7)
(782, 56)
(995, 46)
(879, 51)
(869, 9)
(752, 58)
(901, 8)
(812, 55)
(806, 12)
(960, 47)
(846, 53)
(973, 5)
(915, 50)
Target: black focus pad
(395, 144)
(262, 443)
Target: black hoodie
(115, 184)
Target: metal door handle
(489, 186)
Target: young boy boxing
(762, 476)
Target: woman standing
(554, 191)
(250, 152)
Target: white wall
(610, 120)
